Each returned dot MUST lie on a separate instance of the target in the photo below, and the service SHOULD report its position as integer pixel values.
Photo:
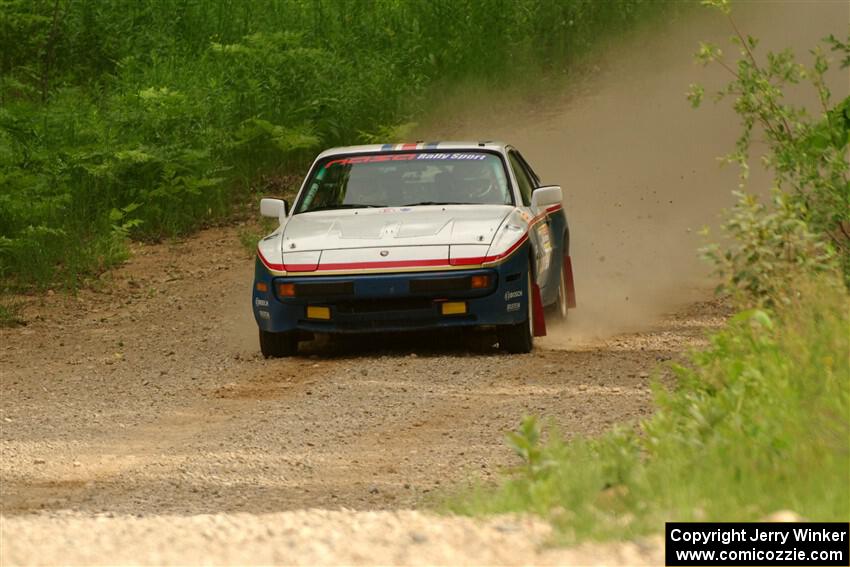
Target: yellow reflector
(317, 312)
(262, 286)
(454, 308)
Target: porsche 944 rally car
(412, 236)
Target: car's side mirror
(545, 196)
(273, 208)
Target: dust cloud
(637, 164)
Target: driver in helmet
(479, 184)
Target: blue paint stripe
(431, 145)
(387, 147)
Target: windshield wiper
(349, 206)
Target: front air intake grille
(383, 304)
(324, 289)
(427, 285)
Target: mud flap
(570, 284)
(539, 317)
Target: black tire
(519, 338)
(278, 345)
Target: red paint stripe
(300, 267)
(467, 261)
(487, 259)
(387, 264)
(544, 214)
(408, 146)
(269, 265)
(509, 251)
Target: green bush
(759, 422)
(769, 250)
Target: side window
(526, 185)
(535, 179)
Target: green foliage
(768, 252)
(170, 110)
(526, 443)
(758, 422)
(807, 154)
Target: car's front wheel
(278, 345)
(519, 338)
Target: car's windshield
(406, 179)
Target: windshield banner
(440, 156)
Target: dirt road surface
(150, 396)
(138, 423)
(147, 397)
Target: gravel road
(142, 409)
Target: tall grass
(148, 118)
(759, 422)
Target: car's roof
(413, 146)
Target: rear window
(406, 180)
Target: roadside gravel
(304, 537)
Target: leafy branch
(807, 154)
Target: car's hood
(439, 225)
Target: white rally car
(411, 236)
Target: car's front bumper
(393, 301)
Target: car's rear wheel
(519, 338)
(278, 345)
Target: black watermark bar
(757, 543)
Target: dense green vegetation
(760, 421)
(147, 118)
